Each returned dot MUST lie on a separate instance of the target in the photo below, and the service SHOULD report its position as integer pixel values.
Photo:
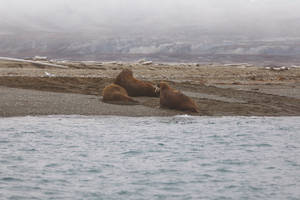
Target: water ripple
(180, 157)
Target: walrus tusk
(157, 90)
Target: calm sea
(181, 157)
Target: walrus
(136, 87)
(114, 93)
(173, 99)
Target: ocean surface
(181, 157)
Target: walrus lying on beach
(136, 87)
(116, 94)
(173, 99)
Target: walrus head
(163, 86)
(127, 72)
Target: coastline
(29, 89)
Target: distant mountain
(29, 37)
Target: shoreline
(30, 90)
(25, 102)
(123, 116)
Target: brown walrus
(136, 87)
(173, 99)
(114, 93)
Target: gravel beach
(32, 89)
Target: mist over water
(181, 157)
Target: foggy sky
(71, 15)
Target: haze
(174, 20)
(80, 14)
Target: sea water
(181, 157)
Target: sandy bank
(219, 91)
(21, 102)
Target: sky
(84, 14)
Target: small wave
(183, 116)
(132, 152)
(77, 157)
(10, 179)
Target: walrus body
(116, 94)
(173, 99)
(136, 87)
